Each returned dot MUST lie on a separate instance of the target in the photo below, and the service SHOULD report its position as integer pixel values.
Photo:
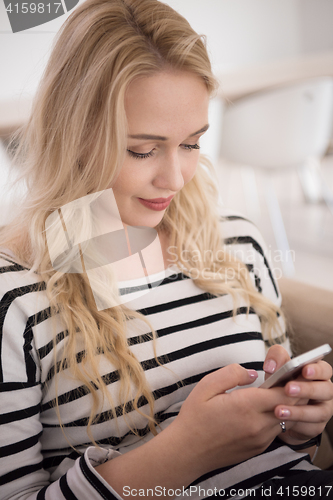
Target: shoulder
(236, 228)
(22, 297)
(243, 239)
(16, 279)
(20, 289)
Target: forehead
(167, 103)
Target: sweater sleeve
(22, 476)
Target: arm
(21, 431)
(195, 442)
(307, 308)
(188, 448)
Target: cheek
(127, 181)
(190, 168)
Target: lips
(158, 200)
(156, 204)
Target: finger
(276, 357)
(317, 371)
(319, 413)
(302, 432)
(224, 379)
(316, 391)
(266, 400)
(284, 425)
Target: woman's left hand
(314, 408)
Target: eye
(140, 156)
(189, 147)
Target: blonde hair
(74, 145)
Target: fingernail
(310, 371)
(283, 413)
(294, 389)
(270, 366)
(253, 374)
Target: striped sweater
(197, 334)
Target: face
(167, 114)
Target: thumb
(276, 357)
(224, 379)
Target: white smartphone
(293, 368)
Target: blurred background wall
(240, 34)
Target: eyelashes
(142, 156)
(190, 146)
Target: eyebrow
(162, 138)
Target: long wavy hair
(74, 145)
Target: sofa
(309, 313)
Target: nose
(169, 176)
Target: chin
(153, 221)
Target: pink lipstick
(157, 203)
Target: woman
(112, 393)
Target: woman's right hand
(223, 428)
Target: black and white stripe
(197, 334)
